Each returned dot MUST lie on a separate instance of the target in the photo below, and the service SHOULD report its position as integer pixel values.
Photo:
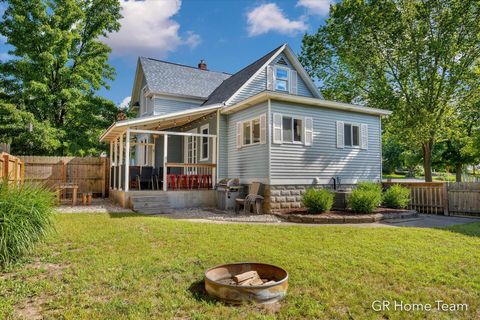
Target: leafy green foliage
(396, 197)
(25, 133)
(26, 213)
(370, 186)
(366, 197)
(59, 64)
(318, 200)
(417, 58)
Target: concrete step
(159, 198)
(152, 211)
(139, 205)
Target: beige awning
(159, 122)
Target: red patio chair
(182, 181)
(194, 179)
(171, 181)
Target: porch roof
(159, 122)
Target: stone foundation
(281, 197)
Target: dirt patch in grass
(30, 309)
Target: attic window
(281, 79)
(282, 61)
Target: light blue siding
(164, 106)
(249, 163)
(257, 85)
(302, 89)
(299, 164)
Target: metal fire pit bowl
(238, 294)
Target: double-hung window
(351, 135)
(204, 145)
(281, 79)
(251, 132)
(292, 131)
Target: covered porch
(169, 160)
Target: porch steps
(157, 204)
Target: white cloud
(269, 17)
(5, 56)
(148, 29)
(124, 103)
(318, 7)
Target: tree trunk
(427, 160)
(458, 173)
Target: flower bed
(334, 216)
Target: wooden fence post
(6, 161)
(104, 174)
(445, 199)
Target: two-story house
(268, 123)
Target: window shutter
(308, 131)
(270, 78)
(239, 135)
(293, 82)
(263, 128)
(340, 135)
(364, 136)
(277, 128)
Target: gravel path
(97, 206)
(217, 215)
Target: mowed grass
(119, 266)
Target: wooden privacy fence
(90, 173)
(443, 198)
(11, 168)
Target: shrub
(396, 197)
(366, 197)
(370, 186)
(318, 200)
(26, 214)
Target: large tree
(59, 62)
(415, 57)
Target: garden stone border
(338, 219)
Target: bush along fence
(12, 169)
(443, 198)
(89, 173)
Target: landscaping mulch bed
(334, 216)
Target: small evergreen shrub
(318, 200)
(26, 214)
(370, 186)
(396, 197)
(366, 197)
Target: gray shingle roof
(175, 79)
(233, 83)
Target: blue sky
(228, 34)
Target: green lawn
(100, 266)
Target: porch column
(214, 160)
(110, 183)
(165, 151)
(120, 163)
(115, 157)
(127, 160)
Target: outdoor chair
(146, 175)
(253, 200)
(158, 178)
(134, 173)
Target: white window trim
(302, 141)
(251, 132)
(287, 80)
(205, 126)
(352, 124)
